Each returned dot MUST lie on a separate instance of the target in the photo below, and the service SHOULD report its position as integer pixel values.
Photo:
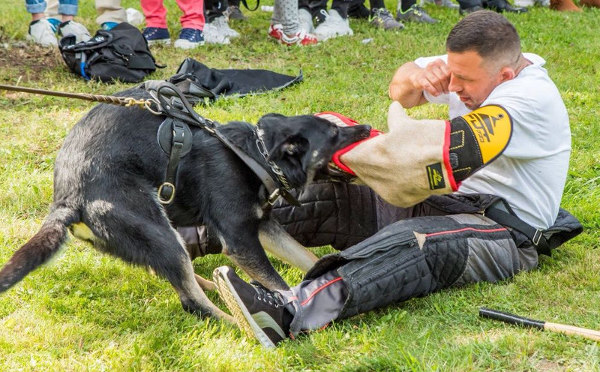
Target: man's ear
(507, 73)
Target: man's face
(471, 78)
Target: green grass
(88, 311)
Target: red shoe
(299, 38)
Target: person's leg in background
(192, 24)
(285, 25)
(156, 31)
(59, 19)
(110, 13)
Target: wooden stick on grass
(547, 326)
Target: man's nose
(452, 85)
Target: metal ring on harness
(160, 191)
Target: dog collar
(273, 193)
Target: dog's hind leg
(277, 241)
(142, 235)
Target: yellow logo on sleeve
(492, 127)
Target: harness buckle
(171, 192)
(537, 237)
(273, 197)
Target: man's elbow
(406, 100)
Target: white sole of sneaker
(187, 45)
(238, 309)
(159, 42)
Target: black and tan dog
(105, 191)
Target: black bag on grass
(119, 54)
(199, 82)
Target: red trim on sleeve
(320, 289)
(465, 229)
(446, 155)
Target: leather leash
(180, 109)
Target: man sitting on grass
(505, 153)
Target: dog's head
(302, 146)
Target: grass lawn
(86, 311)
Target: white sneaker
(212, 35)
(333, 26)
(306, 21)
(134, 16)
(41, 32)
(73, 28)
(524, 3)
(221, 24)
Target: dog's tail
(40, 248)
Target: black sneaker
(414, 14)
(463, 11)
(259, 312)
(382, 18)
(503, 6)
(235, 13)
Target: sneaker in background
(258, 312)
(212, 35)
(41, 32)
(235, 13)
(333, 26)
(444, 3)
(134, 16)
(300, 38)
(73, 28)
(414, 14)
(223, 26)
(189, 38)
(306, 20)
(382, 18)
(319, 16)
(157, 35)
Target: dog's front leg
(278, 242)
(245, 251)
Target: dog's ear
(293, 146)
(282, 138)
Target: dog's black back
(105, 190)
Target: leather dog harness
(175, 138)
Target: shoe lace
(418, 11)
(325, 14)
(267, 296)
(189, 34)
(384, 14)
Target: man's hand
(410, 81)
(433, 79)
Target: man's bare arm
(410, 81)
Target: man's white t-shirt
(532, 171)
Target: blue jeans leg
(35, 6)
(68, 7)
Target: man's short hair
(487, 33)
